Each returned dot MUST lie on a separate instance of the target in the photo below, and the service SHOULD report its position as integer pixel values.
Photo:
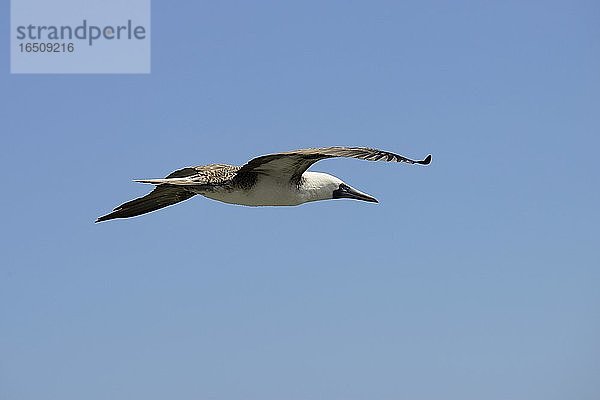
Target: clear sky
(477, 277)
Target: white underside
(266, 192)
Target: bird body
(272, 191)
(279, 179)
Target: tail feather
(162, 196)
(167, 181)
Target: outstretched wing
(161, 196)
(172, 189)
(294, 163)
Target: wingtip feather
(425, 161)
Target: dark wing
(161, 196)
(294, 163)
(166, 194)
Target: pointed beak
(348, 192)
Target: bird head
(321, 186)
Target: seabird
(279, 179)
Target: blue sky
(476, 277)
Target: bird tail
(167, 181)
(162, 196)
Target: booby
(279, 179)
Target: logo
(98, 36)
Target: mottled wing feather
(294, 163)
(212, 174)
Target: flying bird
(279, 179)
